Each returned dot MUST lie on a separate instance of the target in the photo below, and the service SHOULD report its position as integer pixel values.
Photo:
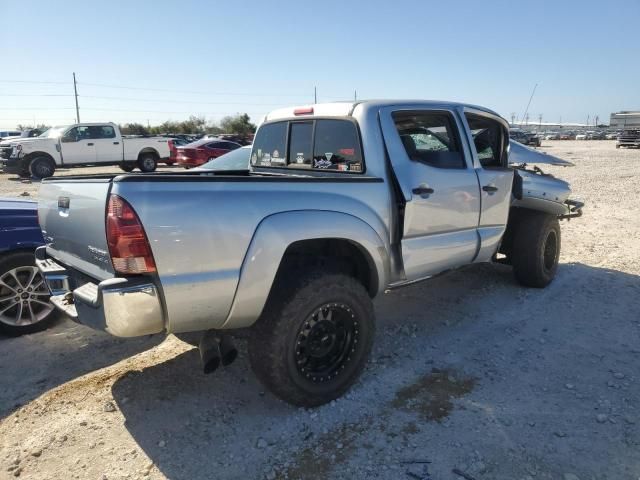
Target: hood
(519, 153)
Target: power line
(34, 81)
(198, 102)
(191, 92)
(35, 95)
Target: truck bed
(199, 224)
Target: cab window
(300, 145)
(490, 140)
(323, 144)
(430, 138)
(336, 146)
(269, 145)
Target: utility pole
(513, 118)
(355, 96)
(75, 91)
(539, 121)
(315, 95)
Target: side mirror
(68, 139)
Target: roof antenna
(530, 98)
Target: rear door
(490, 157)
(434, 168)
(108, 147)
(77, 146)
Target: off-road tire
(147, 162)
(536, 249)
(275, 336)
(41, 167)
(9, 262)
(127, 167)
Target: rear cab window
(316, 145)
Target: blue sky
(219, 58)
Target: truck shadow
(33, 364)
(191, 425)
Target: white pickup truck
(80, 145)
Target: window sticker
(356, 167)
(347, 151)
(322, 163)
(254, 158)
(300, 157)
(343, 167)
(266, 159)
(328, 155)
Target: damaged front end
(535, 190)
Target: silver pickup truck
(340, 203)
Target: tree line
(237, 124)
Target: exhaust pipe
(228, 350)
(209, 351)
(216, 349)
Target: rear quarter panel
(19, 229)
(201, 230)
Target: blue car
(24, 297)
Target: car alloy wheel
(24, 297)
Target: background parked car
(197, 153)
(526, 138)
(9, 133)
(237, 159)
(24, 297)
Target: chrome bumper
(124, 307)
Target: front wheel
(127, 167)
(536, 249)
(314, 338)
(24, 297)
(41, 167)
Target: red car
(201, 151)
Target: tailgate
(72, 217)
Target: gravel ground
(472, 377)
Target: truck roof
(345, 109)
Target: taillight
(128, 245)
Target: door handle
(116, 143)
(89, 144)
(490, 188)
(423, 190)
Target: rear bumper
(124, 307)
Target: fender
(272, 238)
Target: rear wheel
(147, 162)
(314, 337)
(24, 297)
(536, 249)
(41, 167)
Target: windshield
(234, 160)
(53, 132)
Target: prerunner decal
(322, 163)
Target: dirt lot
(472, 377)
